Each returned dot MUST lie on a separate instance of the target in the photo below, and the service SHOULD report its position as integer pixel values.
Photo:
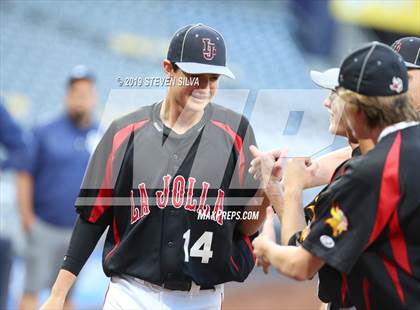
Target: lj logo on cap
(209, 49)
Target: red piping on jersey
(393, 274)
(366, 293)
(398, 244)
(344, 287)
(389, 195)
(248, 243)
(389, 198)
(105, 192)
(234, 264)
(117, 238)
(238, 145)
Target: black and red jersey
(330, 285)
(151, 185)
(366, 227)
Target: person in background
(12, 139)
(363, 238)
(48, 183)
(409, 49)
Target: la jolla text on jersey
(178, 193)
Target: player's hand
(299, 173)
(262, 262)
(261, 244)
(53, 303)
(266, 166)
(268, 235)
(270, 232)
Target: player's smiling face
(337, 123)
(204, 90)
(196, 90)
(192, 91)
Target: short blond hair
(380, 111)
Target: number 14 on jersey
(201, 248)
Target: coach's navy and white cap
(80, 72)
(199, 49)
(409, 49)
(327, 79)
(374, 70)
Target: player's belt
(176, 285)
(171, 284)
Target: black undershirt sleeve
(83, 241)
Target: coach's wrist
(293, 190)
(293, 187)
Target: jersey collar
(160, 126)
(395, 127)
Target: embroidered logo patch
(310, 212)
(397, 85)
(338, 221)
(327, 241)
(305, 232)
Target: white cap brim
(411, 65)
(197, 68)
(327, 79)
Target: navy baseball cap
(80, 72)
(374, 70)
(409, 49)
(199, 49)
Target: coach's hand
(261, 245)
(299, 173)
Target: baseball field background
(271, 46)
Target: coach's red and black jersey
(367, 226)
(331, 282)
(312, 208)
(151, 185)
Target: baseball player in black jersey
(292, 219)
(364, 228)
(409, 49)
(169, 180)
